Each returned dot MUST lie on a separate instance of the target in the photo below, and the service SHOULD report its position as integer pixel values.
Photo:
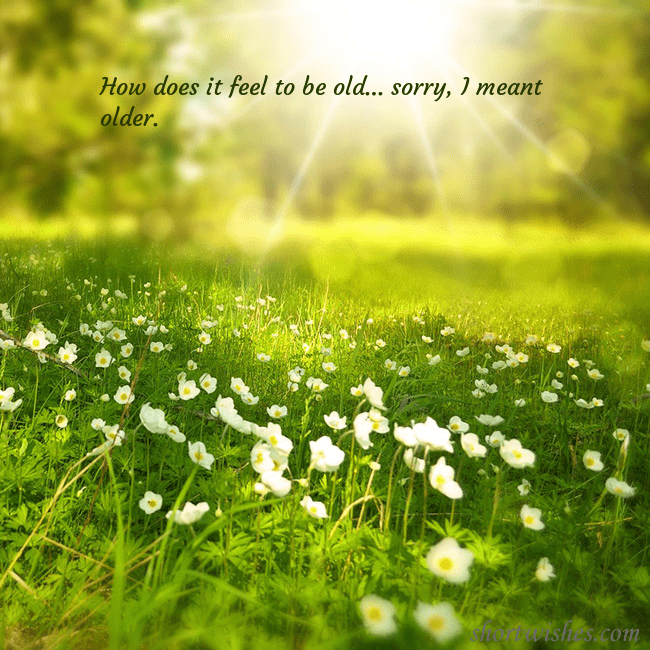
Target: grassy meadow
(403, 436)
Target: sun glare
(380, 36)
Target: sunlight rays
(541, 145)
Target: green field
(546, 328)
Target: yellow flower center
(436, 623)
(445, 564)
(590, 461)
(440, 480)
(152, 503)
(186, 391)
(374, 614)
(517, 454)
(529, 519)
(273, 440)
(198, 455)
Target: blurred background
(248, 171)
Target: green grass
(83, 566)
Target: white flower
(61, 421)
(495, 439)
(549, 397)
(272, 433)
(447, 331)
(250, 399)
(390, 365)
(413, 462)
(558, 385)
(316, 385)
(595, 374)
(208, 383)
(325, 456)
(531, 518)
(489, 420)
(357, 391)
(205, 338)
(462, 353)
(405, 435)
(315, 509)
(276, 411)
(449, 561)
(329, 367)
(573, 363)
(430, 435)
(175, 434)
(238, 386)
(335, 421)
(199, 454)
(434, 360)
(438, 620)
(619, 488)
(378, 615)
(157, 347)
(264, 358)
(520, 403)
(515, 455)
(70, 395)
(150, 502)
(374, 394)
(124, 395)
(116, 334)
(645, 345)
(261, 460)
(126, 350)
(554, 348)
(153, 419)
(124, 373)
(36, 340)
(524, 488)
(583, 403)
(591, 460)
(472, 447)
(103, 359)
(98, 424)
(275, 482)
(456, 425)
(441, 477)
(545, 570)
(114, 435)
(621, 434)
(190, 513)
(187, 389)
(67, 354)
